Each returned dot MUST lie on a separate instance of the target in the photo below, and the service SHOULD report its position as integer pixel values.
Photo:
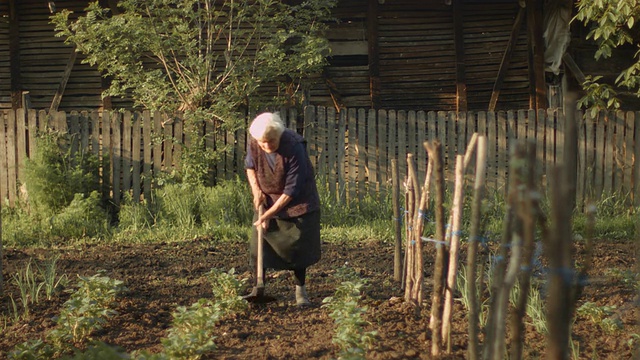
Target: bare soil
(160, 277)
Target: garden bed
(160, 277)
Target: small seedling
(601, 316)
(52, 282)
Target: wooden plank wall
(350, 150)
(417, 55)
(345, 82)
(487, 31)
(414, 38)
(5, 74)
(44, 58)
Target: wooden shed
(389, 54)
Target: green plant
(461, 284)
(86, 310)
(611, 325)
(192, 332)
(336, 212)
(179, 205)
(84, 313)
(226, 291)
(574, 348)
(208, 59)
(535, 306)
(628, 277)
(54, 175)
(99, 350)
(52, 282)
(31, 350)
(632, 342)
(83, 218)
(347, 314)
(536, 310)
(15, 314)
(135, 216)
(227, 203)
(29, 287)
(600, 315)
(598, 97)
(611, 24)
(615, 219)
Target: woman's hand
(262, 221)
(258, 199)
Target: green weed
(615, 219)
(226, 204)
(135, 216)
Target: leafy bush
(54, 175)
(21, 228)
(226, 291)
(61, 198)
(84, 217)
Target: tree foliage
(611, 24)
(208, 59)
(195, 55)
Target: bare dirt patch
(160, 277)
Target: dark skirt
(289, 243)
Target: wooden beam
(537, 87)
(374, 53)
(14, 55)
(63, 82)
(574, 68)
(461, 80)
(506, 59)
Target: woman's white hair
(266, 126)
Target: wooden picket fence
(351, 150)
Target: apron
(289, 244)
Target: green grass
(180, 212)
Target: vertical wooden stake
(439, 272)
(476, 208)
(397, 254)
(454, 245)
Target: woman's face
(269, 144)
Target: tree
(209, 59)
(611, 25)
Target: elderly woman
(282, 179)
